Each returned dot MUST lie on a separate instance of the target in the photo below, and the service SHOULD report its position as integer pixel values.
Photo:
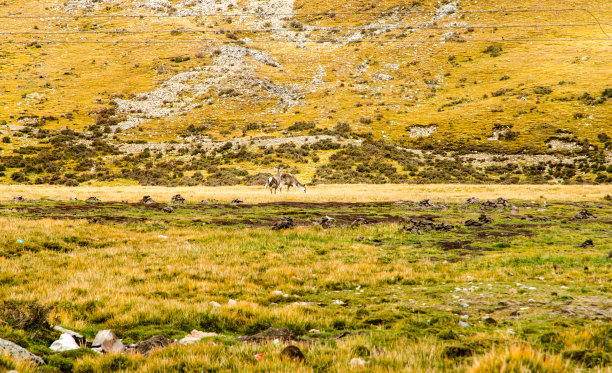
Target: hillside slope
(403, 93)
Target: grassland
(316, 194)
(533, 298)
(547, 96)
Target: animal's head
(303, 187)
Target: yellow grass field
(319, 193)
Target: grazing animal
(273, 182)
(290, 181)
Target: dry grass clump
(519, 359)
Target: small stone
(292, 353)
(177, 199)
(463, 324)
(65, 343)
(512, 291)
(490, 321)
(215, 304)
(314, 331)
(168, 209)
(232, 302)
(159, 341)
(108, 341)
(338, 302)
(465, 317)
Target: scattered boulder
(326, 221)
(444, 227)
(73, 198)
(93, 199)
(484, 219)
(107, 341)
(168, 209)
(587, 244)
(489, 321)
(472, 223)
(237, 201)
(452, 352)
(65, 343)
(177, 199)
(147, 200)
(530, 217)
(584, 214)
(497, 203)
(358, 222)
(282, 334)
(195, 336)
(204, 202)
(285, 223)
(292, 353)
(159, 341)
(472, 201)
(19, 353)
(77, 337)
(426, 203)
(18, 199)
(418, 225)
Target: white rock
(65, 343)
(463, 324)
(337, 302)
(18, 352)
(357, 362)
(277, 292)
(195, 336)
(108, 341)
(465, 317)
(232, 302)
(214, 304)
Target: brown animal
(290, 181)
(273, 182)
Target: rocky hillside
(220, 92)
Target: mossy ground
(402, 295)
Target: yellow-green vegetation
(317, 193)
(440, 77)
(531, 296)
